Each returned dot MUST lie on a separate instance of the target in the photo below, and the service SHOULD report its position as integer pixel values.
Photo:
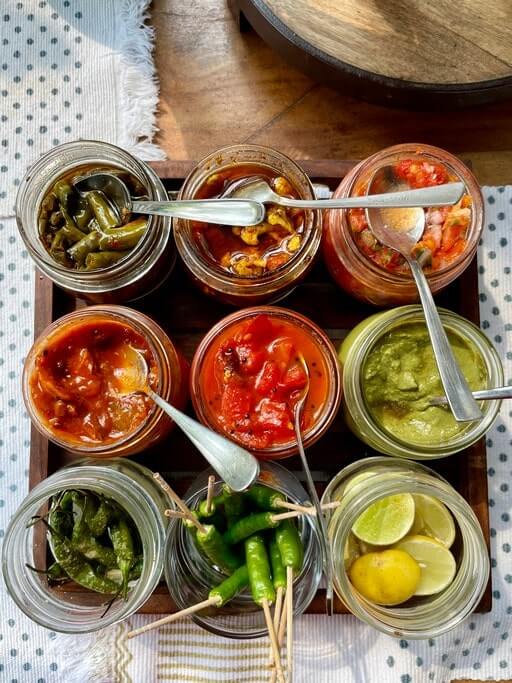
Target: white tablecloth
(67, 70)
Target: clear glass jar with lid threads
(190, 577)
(356, 349)
(272, 285)
(142, 270)
(368, 480)
(132, 487)
(168, 367)
(373, 274)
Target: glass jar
(147, 265)
(355, 272)
(272, 285)
(427, 617)
(69, 610)
(172, 374)
(190, 577)
(353, 354)
(324, 417)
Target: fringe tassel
(138, 85)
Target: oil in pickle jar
(66, 606)
(258, 264)
(71, 382)
(114, 276)
(429, 612)
(378, 275)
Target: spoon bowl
(400, 229)
(236, 466)
(230, 211)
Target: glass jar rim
(464, 174)
(122, 314)
(196, 177)
(403, 315)
(317, 335)
(417, 482)
(67, 148)
(136, 502)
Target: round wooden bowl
(409, 53)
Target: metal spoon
(324, 539)
(236, 466)
(482, 395)
(222, 211)
(258, 189)
(401, 230)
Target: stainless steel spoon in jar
(401, 229)
(236, 466)
(259, 190)
(324, 539)
(239, 212)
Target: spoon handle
(483, 395)
(221, 211)
(324, 539)
(458, 394)
(236, 466)
(440, 195)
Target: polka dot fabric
(66, 72)
(42, 105)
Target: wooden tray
(186, 315)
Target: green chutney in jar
(400, 376)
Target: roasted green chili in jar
(92, 542)
(86, 232)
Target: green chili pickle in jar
(400, 376)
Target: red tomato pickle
(74, 381)
(248, 377)
(377, 274)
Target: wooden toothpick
(209, 493)
(178, 501)
(210, 602)
(273, 641)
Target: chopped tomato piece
(268, 378)
(451, 234)
(236, 403)
(295, 378)
(274, 414)
(259, 330)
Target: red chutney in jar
(446, 227)
(76, 382)
(254, 250)
(251, 379)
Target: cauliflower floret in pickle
(251, 233)
(249, 265)
(276, 215)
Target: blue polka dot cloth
(73, 69)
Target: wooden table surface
(219, 87)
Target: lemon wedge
(436, 562)
(432, 518)
(386, 521)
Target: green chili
(80, 250)
(247, 526)
(290, 545)
(278, 570)
(231, 586)
(91, 549)
(125, 237)
(105, 214)
(233, 505)
(98, 522)
(64, 192)
(122, 542)
(258, 568)
(264, 497)
(213, 545)
(77, 568)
